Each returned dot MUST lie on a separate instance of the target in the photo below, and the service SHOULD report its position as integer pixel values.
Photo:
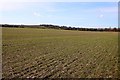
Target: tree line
(44, 26)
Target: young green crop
(50, 53)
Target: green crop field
(50, 53)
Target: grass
(50, 53)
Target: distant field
(50, 53)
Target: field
(50, 53)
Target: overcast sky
(78, 14)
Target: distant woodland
(50, 26)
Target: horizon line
(61, 25)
